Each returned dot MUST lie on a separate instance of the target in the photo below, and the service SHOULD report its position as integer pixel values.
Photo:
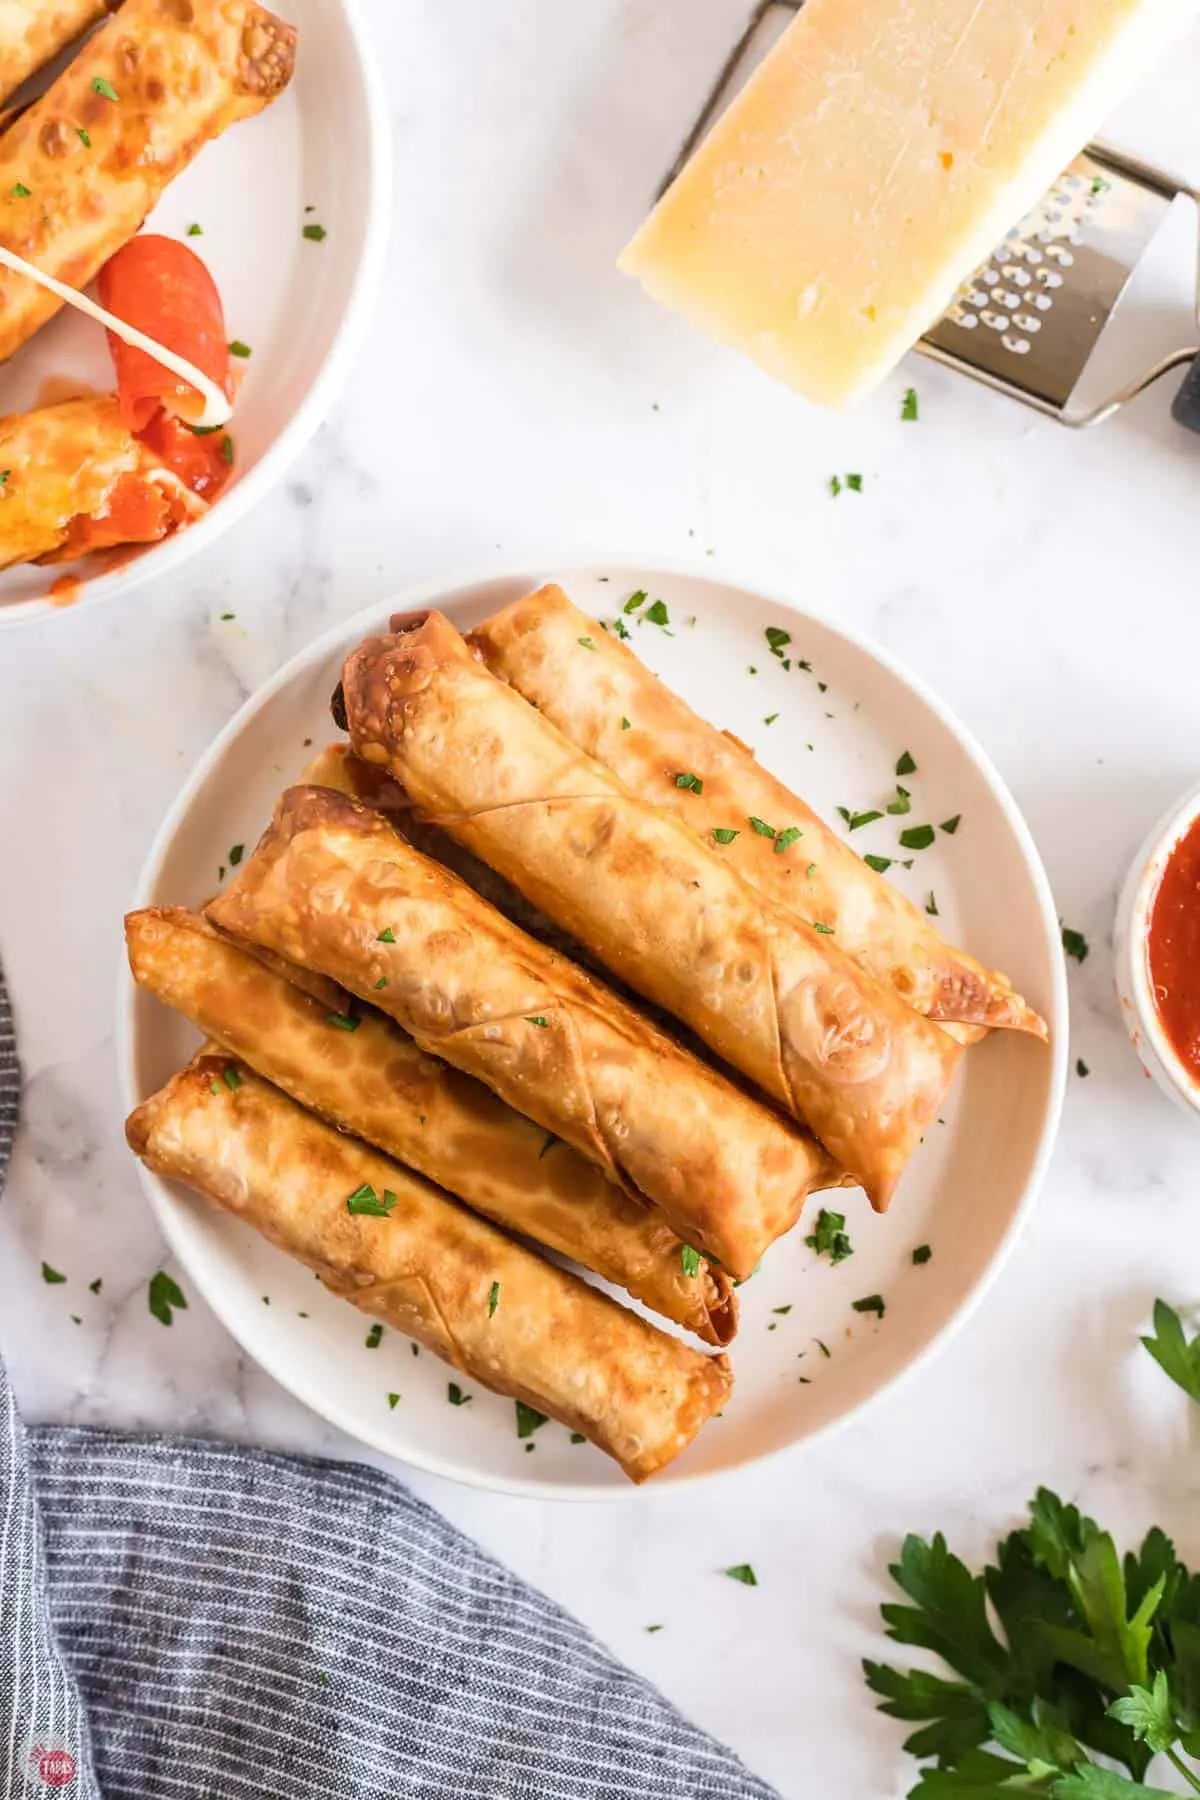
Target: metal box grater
(1027, 322)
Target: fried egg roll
(76, 480)
(429, 1268)
(32, 32)
(608, 703)
(377, 1084)
(773, 995)
(81, 168)
(333, 887)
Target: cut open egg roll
(427, 1266)
(331, 886)
(81, 168)
(376, 1083)
(32, 32)
(771, 994)
(601, 696)
(75, 480)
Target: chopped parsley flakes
(908, 406)
(872, 1304)
(369, 1204)
(742, 1572)
(917, 837)
(100, 86)
(694, 783)
(1075, 944)
(493, 1299)
(829, 1238)
(455, 1395)
(529, 1420)
(690, 1259)
(163, 1295)
(725, 834)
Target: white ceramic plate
(966, 1192)
(301, 306)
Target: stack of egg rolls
(377, 1084)
(427, 1266)
(333, 887)
(772, 994)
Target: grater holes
(995, 321)
(1027, 322)
(1019, 277)
(1006, 298)
(1048, 278)
(1018, 345)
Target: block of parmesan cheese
(873, 161)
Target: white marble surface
(516, 394)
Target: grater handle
(1185, 409)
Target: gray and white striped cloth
(188, 1619)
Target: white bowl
(969, 1187)
(1131, 968)
(301, 306)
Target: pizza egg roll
(73, 479)
(602, 697)
(333, 887)
(32, 32)
(376, 1083)
(405, 1253)
(771, 994)
(81, 168)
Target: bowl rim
(573, 563)
(375, 181)
(1137, 902)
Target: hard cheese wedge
(875, 159)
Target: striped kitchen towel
(197, 1621)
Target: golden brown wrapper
(376, 1083)
(62, 463)
(588, 693)
(774, 996)
(431, 1269)
(333, 887)
(80, 170)
(32, 32)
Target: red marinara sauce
(1173, 949)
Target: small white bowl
(1135, 994)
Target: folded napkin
(182, 1620)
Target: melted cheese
(217, 410)
(873, 161)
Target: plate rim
(572, 566)
(330, 378)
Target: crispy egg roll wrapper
(182, 71)
(765, 991)
(32, 32)
(333, 887)
(431, 1267)
(376, 1083)
(586, 689)
(66, 462)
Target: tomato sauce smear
(1173, 950)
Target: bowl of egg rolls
(548, 1027)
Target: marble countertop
(517, 397)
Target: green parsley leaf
(367, 1203)
(828, 1237)
(825, 930)
(905, 764)
(652, 1628)
(902, 803)
(785, 839)
(1147, 1712)
(51, 1276)
(619, 627)
(690, 1259)
(1081, 1067)
(921, 1254)
(227, 449)
(231, 1078)
(393, 1401)
(237, 348)
(880, 864)
(1172, 1351)
(931, 905)
(577, 1437)
(228, 615)
(1075, 944)
(742, 1572)
(528, 1420)
(374, 1337)
(538, 1020)
(835, 486)
(854, 483)
(163, 1295)
(770, 718)
(762, 828)
(950, 826)
(84, 137)
(694, 783)
(782, 1310)
(214, 1087)
(586, 642)
(316, 234)
(343, 1021)
(455, 1395)
(917, 837)
(908, 406)
(381, 983)
(639, 598)
(386, 936)
(236, 854)
(657, 613)
(624, 724)
(195, 231)
(776, 638)
(856, 820)
(95, 1286)
(493, 1299)
(100, 86)
(4, 475)
(873, 1303)
(724, 834)
(19, 191)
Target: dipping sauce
(1173, 950)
